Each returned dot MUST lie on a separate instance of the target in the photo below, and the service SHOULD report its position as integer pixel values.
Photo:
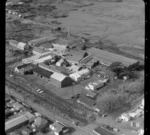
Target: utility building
(60, 80)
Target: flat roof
(111, 57)
(42, 71)
(102, 131)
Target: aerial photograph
(74, 67)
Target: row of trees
(120, 70)
(112, 104)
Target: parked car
(39, 91)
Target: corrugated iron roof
(108, 57)
(58, 76)
(42, 71)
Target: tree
(111, 103)
(135, 67)
(115, 66)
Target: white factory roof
(81, 72)
(58, 76)
(21, 45)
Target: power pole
(68, 33)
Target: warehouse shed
(107, 58)
(60, 80)
(42, 72)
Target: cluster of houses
(138, 112)
(20, 120)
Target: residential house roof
(42, 71)
(58, 127)
(39, 121)
(102, 131)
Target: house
(42, 72)
(60, 80)
(18, 121)
(17, 106)
(79, 74)
(123, 118)
(26, 131)
(101, 131)
(40, 123)
(58, 128)
(107, 58)
(88, 102)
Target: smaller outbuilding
(58, 128)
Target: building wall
(56, 82)
(66, 82)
